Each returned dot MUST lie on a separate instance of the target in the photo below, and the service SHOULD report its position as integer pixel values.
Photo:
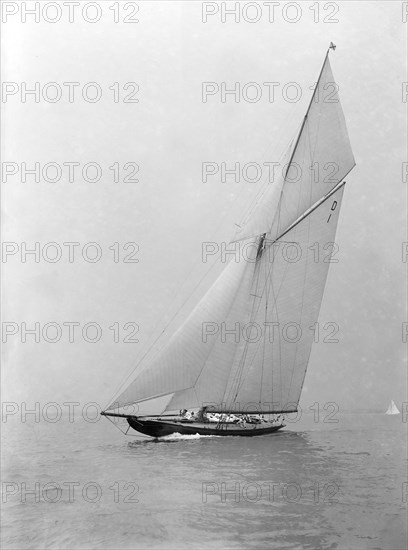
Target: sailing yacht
(392, 409)
(256, 374)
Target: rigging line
(265, 186)
(242, 377)
(239, 375)
(277, 215)
(255, 313)
(230, 384)
(268, 297)
(264, 340)
(301, 131)
(227, 314)
(255, 200)
(299, 135)
(239, 378)
(319, 118)
(287, 139)
(320, 102)
(235, 382)
(232, 393)
(273, 148)
(312, 151)
(304, 146)
(301, 308)
(228, 393)
(263, 291)
(116, 425)
(275, 309)
(166, 409)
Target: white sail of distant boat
(259, 374)
(392, 409)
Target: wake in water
(172, 438)
(177, 437)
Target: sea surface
(315, 484)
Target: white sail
(211, 359)
(321, 158)
(181, 362)
(246, 345)
(287, 297)
(392, 409)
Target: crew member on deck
(201, 415)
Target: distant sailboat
(254, 375)
(392, 409)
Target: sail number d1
(333, 208)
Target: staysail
(392, 409)
(246, 345)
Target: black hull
(161, 428)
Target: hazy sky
(169, 212)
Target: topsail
(320, 159)
(246, 344)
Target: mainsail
(392, 409)
(246, 344)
